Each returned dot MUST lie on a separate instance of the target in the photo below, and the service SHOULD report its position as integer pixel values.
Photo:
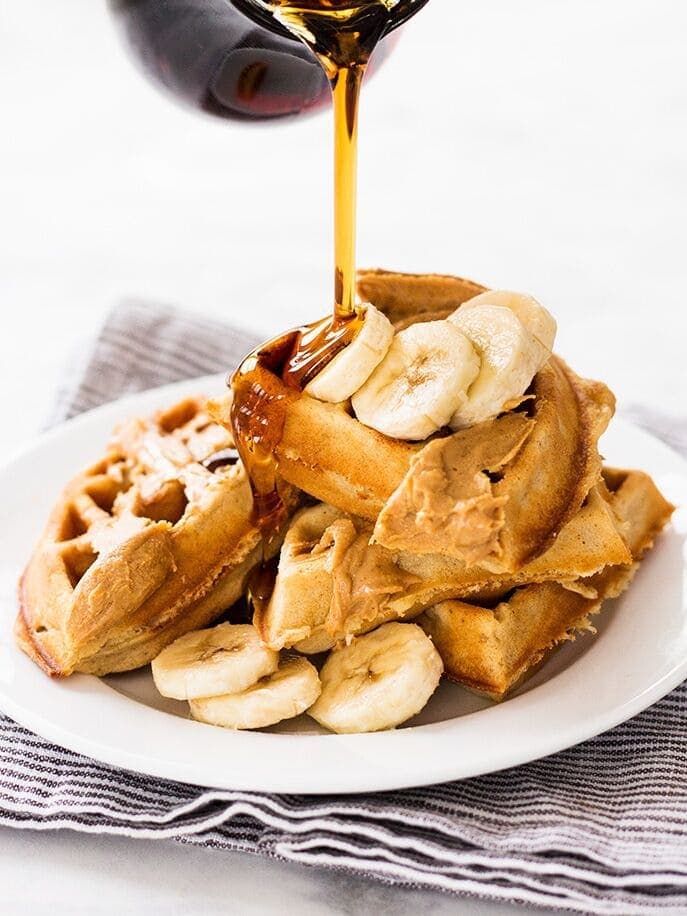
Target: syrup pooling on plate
(343, 36)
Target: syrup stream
(346, 95)
(342, 34)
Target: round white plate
(639, 655)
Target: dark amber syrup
(343, 35)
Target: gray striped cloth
(600, 828)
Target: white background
(537, 145)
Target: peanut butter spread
(446, 502)
(364, 575)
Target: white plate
(589, 686)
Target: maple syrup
(342, 34)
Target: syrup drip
(343, 35)
(265, 382)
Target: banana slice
(421, 382)
(348, 371)
(288, 692)
(539, 321)
(224, 659)
(378, 681)
(510, 356)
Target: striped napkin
(599, 828)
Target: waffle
(493, 500)
(334, 583)
(492, 647)
(407, 298)
(490, 498)
(502, 539)
(152, 541)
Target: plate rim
(358, 748)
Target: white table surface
(532, 145)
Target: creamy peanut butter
(364, 575)
(446, 503)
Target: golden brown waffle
(154, 540)
(333, 583)
(336, 459)
(492, 648)
(491, 498)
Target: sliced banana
(378, 681)
(286, 693)
(421, 382)
(510, 358)
(224, 659)
(539, 321)
(348, 371)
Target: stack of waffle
(501, 540)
